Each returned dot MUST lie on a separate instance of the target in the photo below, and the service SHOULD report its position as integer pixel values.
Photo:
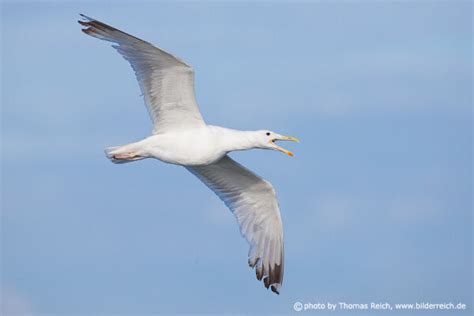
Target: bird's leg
(127, 156)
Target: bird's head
(267, 140)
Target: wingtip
(275, 288)
(88, 31)
(85, 17)
(252, 261)
(85, 20)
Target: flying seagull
(181, 137)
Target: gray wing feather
(253, 202)
(167, 83)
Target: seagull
(181, 137)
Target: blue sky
(376, 204)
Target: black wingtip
(86, 17)
(274, 289)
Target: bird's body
(180, 136)
(188, 147)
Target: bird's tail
(122, 154)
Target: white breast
(188, 147)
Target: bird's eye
(268, 133)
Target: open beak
(283, 150)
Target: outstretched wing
(166, 82)
(254, 204)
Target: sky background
(376, 205)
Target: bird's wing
(166, 82)
(253, 202)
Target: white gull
(180, 136)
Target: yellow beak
(283, 150)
